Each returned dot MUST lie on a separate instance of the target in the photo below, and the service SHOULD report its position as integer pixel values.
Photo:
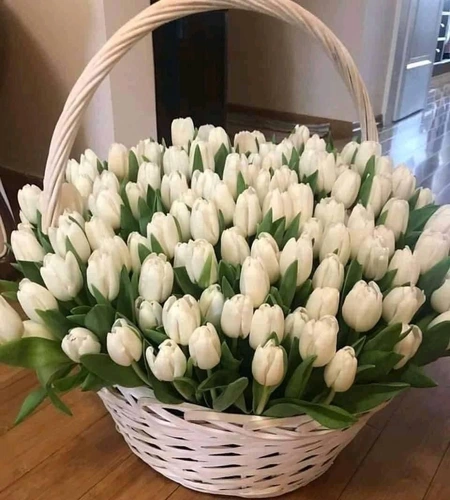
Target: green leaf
(370, 168)
(231, 393)
(302, 294)
(143, 252)
(31, 271)
(99, 320)
(227, 289)
(411, 239)
(48, 374)
(218, 379)
(294, 359)
(292, 230)
(154, 336)
(9, 286)
(330, 142)
(198, 161)
(413, 200)
(187, 387)
(11, 296)
(364, 192)
(386, 282)
(78, 319)
(294, 161)
(204, 279)
(69, 382)
(312, 180)
(185, 283)
(352, 276)
(434, 344)
(133, 167)
(434, 278)
(362, 398)
(56, 322)
(151, 195)
(278, 228)
(145, 215)
(288, 284)
(418, 218)
(266, 224)
(219, 160)
(241, 185)
(165, 392)
(57, 402)
(31, 402)
(385, 340)
(227, 361)
(274, 298)
(364, 368)
(104, 367)
(80, 310)
(382, 218)
(383, 361)
(297, 383)
(32, 352)
(359, 345)
(415, 377)
(100, 167)
(227, 271)
(128, 224)
(125, 300)
(93, 383)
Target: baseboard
(357, 125)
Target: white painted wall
(277, 66)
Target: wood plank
(440, 372)
(381, 419)
(440, 487)
(74, 469)
(9, 374)
(406, 456)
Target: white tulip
(246, 142)
(440, 220)
(151, 150)
(134, 193)
(30, 200)
(149, 314)
(431, 248)
(204, 131)
(163, 229)
(285, 148)
(440, 319)
(366, 150)
(176, 159)
(326, 173)
(205, 347)
(183, 132)
(397, 216)
(340, 372)
(135, 240)
(70, 228)
(87, 168)
(118, 160)
(32, 329)
(386, 236)
(295, 322)
(33, 297)
(204, 183)
(440, 298)
(211, 305)
(266, 320)
(346, 188)
(300, 135)
(198, 257)
(329, 211)
(188, 197)
(265, 249)
(373, 257)
(283, 178)
(248, 213)
(169, 363)
(26, 247)
(316, 143)
(103, 274)
(384, 165)
(124, 343)
(336, 239)
(313, 230)
(11, 327)
(149, 175)
(401, 304)
(408, 346)
(62, 276)
(156, 279)
(348, 152)
(172, 188)
(256, 159)
(181, 212)
(426, 197)
(403, 182)
(362, 306)
(301, 251)
(360, 224)
(224, 202)
(261, 186)
(85, 187)
(319, 338)
(271, 159)
(407, 266)
(268, 365)
(329, 274)
(97, 230)
(234, 164)
(180, 318)
(237, 315)
(233, 246)
(254, 281)
(323, 302)
(302, 199)
(200, 149)
(310, 161)
(280, 204)
(118, 250)
(379, 193)
(107, 206)
(106, 180)
(205, 221)
(79, 342)
(216, 138)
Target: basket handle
(148, 20)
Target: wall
(276, 66)
(44, 46)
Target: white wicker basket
(245, 456)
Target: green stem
(213, 391)
(140, 373)
(78, 301)
(330, 397)
(263, 401)
(234, 346)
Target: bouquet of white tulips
(253, 277)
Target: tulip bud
(87, 168)
(379, 193)
(176, 159)
(170, 362)
(295, 322)
(205, 221)
(316, 143)
(300, 135)
(163, 229)
(373, 257)
(204, 183)
(426, 197)
(283, 178)
(224, 202)
(261, 186)
(409, 345)
(319, 338)
(149, 314)
(204, 131)
(248, 213)
(182, 214)
(103, 275)
(265, 249)
(329, 273)
(211, 305)
(172, 188)
(246, 142)
(397, 216)
(366, 150)
(440, 319)
(135, 240)
(79, 342)
(233, 246)
(362, 306)
(348, 152)
(250, 172)
(183, 132)
(106, 180)
(204, 347)
(360, 224)
(216, 138)
(313, 230)
(346, 188)
(84, 186)
(386, 236)
(199, 259)
(323, 302)
(107, 206)
(180, 318)
(302, 199)
(272, 159)
(151, 150)
(329, 211)
(70, 228)
(340, 372)
(431, 248)
(26, 247)
(326, 174)
(403, 182)
(118, 249)
(118, 160)
(237, 316)
(268, 365)
(440, 298)
(29, 198)
(124, 343)
(407, 266)
(31, 329)
(384, 165)
(440, 220)
(310, 161)
(156, 279)
(11, 327)
(97, 230)
(401, 304)
(301, 251)
(33, 297)
(62, 276)
(233, 165)
(266, 321)
(149, 175)
(134, 193)
(254, 281)
(200, 149)
(336, 239)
